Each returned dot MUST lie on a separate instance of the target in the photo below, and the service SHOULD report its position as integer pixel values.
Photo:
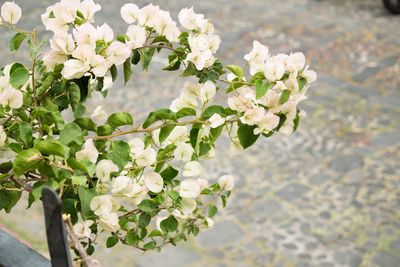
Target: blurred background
(326, 196)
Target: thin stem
(87, 260)
(148, 130)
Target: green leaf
(212, 210)
(155, 233)
(84, 166)
(86, 124)
(119, 153)
(127, 70)
(146, 56)
(284, 97)
(258, 76)
(8, 199)
(114, 72)
(302, 83)
(144, 219)
(161, 114)
(211, 110)
(25, 133)
(149, 207)
(19, 77)
(131, 238)
(165, 132)
(185, 112)
(169, 225)
(52, 147)
(26, 160)
(42, 89)
(79, 180)
(71, 133)
(74, 95)
(174, 63)
(261, 89)
(190, 70)
(150, 245)
(169, 173)
(112, 241)
(135, 57)
(85, 197)
(119, 119)
(238, 71)
(16, 41)
(246, 135)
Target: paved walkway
(327, 196)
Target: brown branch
(87, 260)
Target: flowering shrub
(150, 190)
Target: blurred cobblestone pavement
(326, 196)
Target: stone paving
(327, 196)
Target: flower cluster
(150, 188)
(203, 41)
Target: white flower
(274, 70)
(207, 91)
(253, 116)
(208, 224)
(201, 59)
(178, 134)
(62, 43)
(117, 53)
(12, 98)
(3, 136)
(104, 169)
(192, 21)
(257, 57)
(147, 158)
(147, 15)
(86, 34)
(109, 222)
(267, 124)
(309, 75)
(101, 205)
(88, 8)
(154, 182)
(82, 230)
(53, 58)
(183, 152)
(99, 115)
(193, 168)
(226, 182)
(105, 33)
(99, 65)
(121, 185)
(287, 128)
(203, 183)
(138, 193)
(216, 120)
(137, 36)
(188, 205)
(129, 13)
(295, 62)
(164, 25)
(74, 69)
(189, 189)
(11, 12)
(137, 147)
(88, 152)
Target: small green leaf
(127, 70)
(165, 132)
(19, 77)
(119, 119)
(26, 160)
(211, 110)
(246, 135)
(135, 57)
(261, 89)
(212, 210)
(190, 70)
(284, 97)
(86, 124)
(169, 173)
(119, 153)
(131, 238)
(112, 241)
(86, 196)
(79, 180)
(16, 41)
(71, 133)
(185, 112)
(150, 245)
(146, 56)
(149, 207)
(238, 71)
(52, 147)
(161, 114)
(25, 133)
(74, 95)
(144, 219)
(170, 224)
(114, 72)
(302, 83)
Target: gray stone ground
(328, 195)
